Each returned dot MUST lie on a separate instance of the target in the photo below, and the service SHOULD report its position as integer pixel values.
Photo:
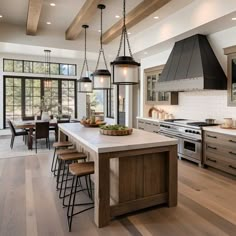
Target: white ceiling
(53, 36)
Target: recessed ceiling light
(48, 23)
(234, 18)
(156, 17)
(99, 31)
(52, 4)
(129, 33)
(117, 16)
(0, 16)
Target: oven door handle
(188, 138)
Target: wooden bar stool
(64, 160)
(78, 170)
(57, 146)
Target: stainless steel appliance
(189, 135)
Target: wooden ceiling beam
(140, 12)
(84, 16)
(34, 10)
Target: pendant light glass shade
(85, 83)
(47, 79)
(101, 77)
(125, 70)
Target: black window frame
(32, 64)
(23, 95)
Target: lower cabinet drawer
(216, 162)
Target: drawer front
(228, 141)
(141, 124)
(148, 126)
(227, 153)
(214, 161)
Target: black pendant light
(101, 77)
(85, 83)
(125, 70)
(47, 79)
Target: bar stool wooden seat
(59, 145)
(78, 170)
(64, 160)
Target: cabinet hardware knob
(212, 147)
(232, 167)
(232, 141)
(210, 136)
(233, 153)
(211, 160)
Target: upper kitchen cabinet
(231, 74)
(153, 97)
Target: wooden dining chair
(41, 132)
(15, 133)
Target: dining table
(30, 126)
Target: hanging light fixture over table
(125, 70)
(85, 83)
(101, 77)
(47, 79)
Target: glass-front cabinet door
(153, 97)
(233, 81)
(231, 74)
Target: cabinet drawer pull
(148, 123)
(155, 132)
(141, 128)
(214, 148)
(211, 160)
(232, 167)
(210, 136)
(233, 153)
(232, 141)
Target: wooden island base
(126, 181)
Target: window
(68, 97)
(23, 95)
(37, 67)
(13, 98)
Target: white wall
(202, 104)
(81, 102)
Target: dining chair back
(12, 128)
(42, 130)
(15, 133)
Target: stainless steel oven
(188, 147)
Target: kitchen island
(131, 172)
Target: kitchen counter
(103, 143)
(217, 129)
(148, 119)
(131, 172)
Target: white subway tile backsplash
(201, 105)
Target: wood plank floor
(29, 205)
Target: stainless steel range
(189, 135)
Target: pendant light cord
(85, 53)
(101, 51)
(124, 34)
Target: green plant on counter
(114, 127)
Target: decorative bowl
(115, 130)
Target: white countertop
(217, 129)
(92, 138)
(148, 119)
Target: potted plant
(46, 105)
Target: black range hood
(192, 65)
